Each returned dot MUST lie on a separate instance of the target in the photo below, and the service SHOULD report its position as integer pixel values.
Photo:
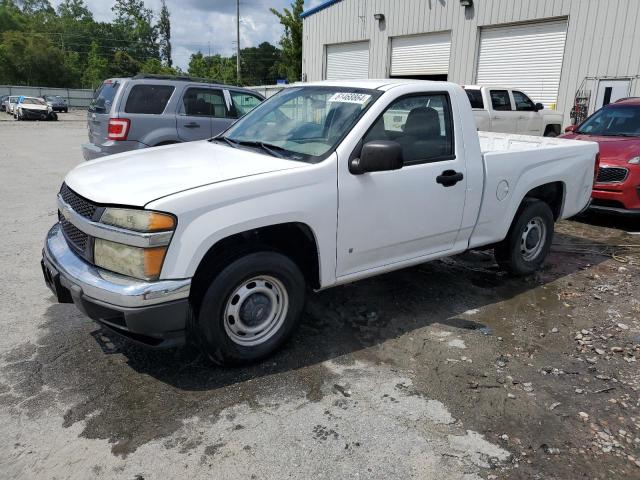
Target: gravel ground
(449, 370)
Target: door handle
(192, 125)
(449, 178)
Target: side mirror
(539, 107)
(571, 128)
(377, 156)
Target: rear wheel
(529, 240)
(250, 308)
(550, 132)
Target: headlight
(143, 263)
(138, 220)
(634, 161)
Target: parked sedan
(57, 103)
(32, 108)
(616, 128)
(11, 104)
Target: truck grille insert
(79, 205)
(612, 175)
(76, 238)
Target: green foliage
(68, 48)
(96, 69)
(290, 66)
(258, 65)
(164, 31)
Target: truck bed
(497, 142)
(516, 164)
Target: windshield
(103, 98)
(302, 123)
(33, 101)
(613, 121)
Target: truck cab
(510, 110)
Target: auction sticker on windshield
(346, 97)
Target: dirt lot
(449, 370)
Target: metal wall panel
(602, 35)
(421, 54)
(347, 61)
(528, 57)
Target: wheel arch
(296, 240)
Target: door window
(421, 124)
(475, 97)
(500, 100)
(204, 102)
(523, 103)
(149, 99)
(244, 102)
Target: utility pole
(238, 42)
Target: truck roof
(373, 83)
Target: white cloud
(211, 24)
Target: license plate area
(52, 279)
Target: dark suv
(149, 110)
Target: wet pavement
(448, 370)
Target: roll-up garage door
(527, 57)
(421, 54)
(348, 60)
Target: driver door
(395, 216)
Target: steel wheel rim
(256, 310)
(533, 239)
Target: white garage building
(560, 52)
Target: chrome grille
(612, 175)
(77, 203)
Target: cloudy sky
(203, 24)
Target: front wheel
(529, 239)
(250, 308)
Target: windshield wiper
(271, 149)
(628, 135)
(226, 140)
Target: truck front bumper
(152, 313)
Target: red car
(616, 128)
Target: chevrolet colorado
(323, 184)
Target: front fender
(209, 214)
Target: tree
(258, 64)
(133, 23)
(164, 30)
(35, 6)
(74, 10)
(96, 70)
(290, 65)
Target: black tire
(551, 132)
(214, 328)
(520, 257)
(66, 110)
(53, 116)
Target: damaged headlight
(134, 261)
(138, 220)
(142, 263)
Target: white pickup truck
(218, 240)
(506, 110)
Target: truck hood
(137, 178)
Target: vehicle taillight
(596, 169)
(118, 128)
